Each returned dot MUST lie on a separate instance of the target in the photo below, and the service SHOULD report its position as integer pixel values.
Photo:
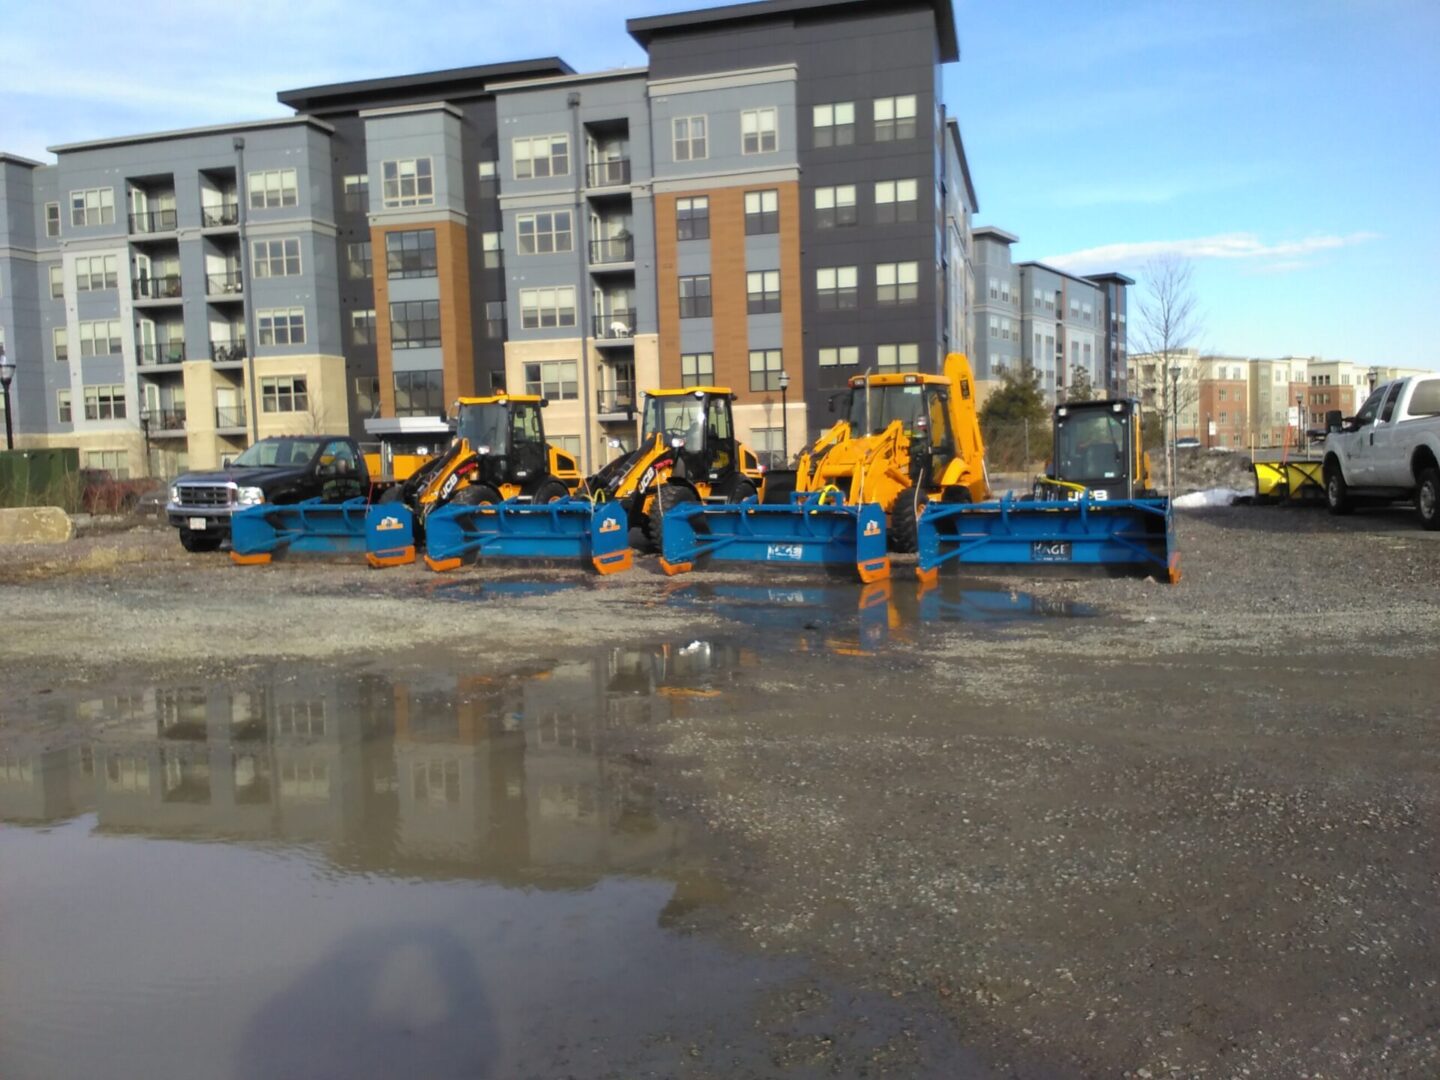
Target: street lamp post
(1174, 423)
(7, 375)
(145, 431)
(784, 420)
(1299, 423)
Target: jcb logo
(448, 488)
(646, 480)
(609, 525)
(388, 524)
(872, 528)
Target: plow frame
(520, 529)
(1292, 481)
(259, 533)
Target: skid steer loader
(688, 453)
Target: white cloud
(1288, 254)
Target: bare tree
(1167, 327)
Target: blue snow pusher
(813, 529)
(314, 527)
(566, 529)
(1129, 534)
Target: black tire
(1427, 499)
(391, 494)
(199, 542)
(476, 495)
(668, 497)
(904, 533)
(549, 491)
(1337, 493)
(743, 490)
(779, 486)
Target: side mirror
(544, 402)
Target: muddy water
(334, 872)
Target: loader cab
(1097, 447)
(922, 405)
(697, 424)
(506, 434)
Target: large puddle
(325, 872)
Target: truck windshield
(485, 425)
(875, 408)
(1089, 446)
(279, 452)
(676, 417)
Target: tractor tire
(550, 491)
(1427, 499)
(1337, 493)
(199, 542)
(743, 490)
(392, 494)
(476, 495)
(904, 533)
(669, 495)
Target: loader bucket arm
(965, 424)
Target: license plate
(1050, 551)
(197, 524)
(790, 552)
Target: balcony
(614, 249)
(231, 351)
(617, 404)
(163, 287)
(229, 417)
(228, 285)
(613, 173)
(162, 353)
(617, 326)
(164, 421)
(220, 216)
(153, 221)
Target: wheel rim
(1333, 490)
(1428, 497)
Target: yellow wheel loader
(687, 453)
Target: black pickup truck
(281, 469)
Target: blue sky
(1291, 149)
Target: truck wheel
(904, 533)
(1337, 493)
(669, 495)
(199, 542)
(550, 491)
(1427, 499)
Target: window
(894, 118)
(100, 338)
(897, 357)
(835, 206)
(1087, 351)
(52, 219)
(762, 290)
(1087, 312)
(356, 193)
(1005, 290)
(104, 403)
(692, 218)
(897, 283)
(60, 340)
(489, 171)
(62, 406)
(844, 356)
(367, 395)
(272, 188)
(1004, 329)
(557, 380)
(492, 254)
(758, 131)
(362, 327)
(92, 206)
(571, 443)
(415, 324)
(410, 254)
(995, 326)
(281, 326)
(283, 393)
(896, 200)
(690, 140)
(994, 288)
(495, 318)
(540, 156)
(697, 369)
(836, 287)
(544, 234)
(358, 260)
(1074, 309)
(419, 393)
(95, 272)
(115, 462)
(407, 182)
(762, 212)
(57, 281)
(544, 308)
(835, 124)
(764, 369)
(695, 297)
(769, 446)
(275, 258)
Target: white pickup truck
(1389, 450)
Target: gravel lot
(1192, 835)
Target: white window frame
(903, 278)
(57, 281)
(281, 326)
(52, 219)
(895, 111)
(903, 195)
(529, 143)
(840, 356)
(763, 284)
(105, 401)
(94, 273)
(96, 206)
(64, 407)
(561, 376)
(682, 134)
(762, 126)
(278, 390)
(364, 264)
(275, 187)
(555, 300)
(60, 340)
(837, 288)
(275, 258)
(362, 327)
(833, 118)
(407, 182)
(697, 369)
(899, 356)
(355, 188)
(487, 171)
(95, 331)
(538, 240)
(835, 199)
(772, 363)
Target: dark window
(835, 124)
(419, 393)
(695, 297)
(415, 324)
(495, 318)
(692, 218)
(410, 254)
(1388, 409)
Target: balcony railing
(220, 216)
(227, 352)
(167, 420)
(153, 221)
(615, 326)
(608, 173)
(614, 249)
(167, 352)
(230, 416)
(164, 287)
(230, 283)
(620, 399)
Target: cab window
(526, 423)
(1388, 409)
(339, 457)
(719, 419)
(1367, 412)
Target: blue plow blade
(389, 535)
(815, 529)
(1134, 534)
(313, 527)
(567, 529)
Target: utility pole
(247, 306)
